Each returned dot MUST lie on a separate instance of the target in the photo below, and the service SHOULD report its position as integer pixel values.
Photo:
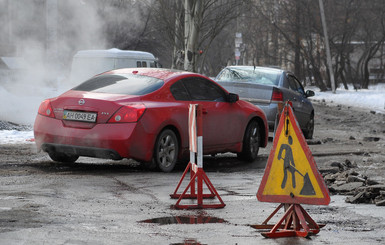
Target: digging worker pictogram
(288, 162)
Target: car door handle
(204, 111)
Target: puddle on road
(187, 219)
(188, 242)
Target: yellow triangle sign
(291, 174)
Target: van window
(144, 64)
(138, 64)
(152, 64)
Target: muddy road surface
(119, 202)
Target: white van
(88, 63)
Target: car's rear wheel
(308, 132)
(251, 142)
(63, 157)
(166, 151)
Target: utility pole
(328, 56)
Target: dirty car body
(269, 88)
(142, 113)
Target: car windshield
(250, 74)
(128, 84)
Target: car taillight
(127, 114)
(277, 95)
(45, 109)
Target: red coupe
(142, 113)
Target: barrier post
(197, 175)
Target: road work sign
(291, 174)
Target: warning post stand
(291, 178)
(194, 189)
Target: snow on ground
(372, 99)
(16, 137)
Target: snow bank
(372, 99)
(16, 137)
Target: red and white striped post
(197, 175)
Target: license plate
(79, 116)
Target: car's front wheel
(308, 132)
(251, 142)
(62, 157)
(166, 151)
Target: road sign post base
(195, 185)
(296, 222)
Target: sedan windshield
(128, 84)
(250, 74)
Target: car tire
(251, 142)
(62, 157)
(166, 151)
(308, 132)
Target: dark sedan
(269, 88)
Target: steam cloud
(45, 34)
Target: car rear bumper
(82, 151)
(112, 141)
(270, 111)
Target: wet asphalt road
(107, 202)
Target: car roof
(160, 73)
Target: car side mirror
(310, 93)
(232, 98)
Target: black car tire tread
(308, 132)
(251, 142)
(166, 151)
(63, 157)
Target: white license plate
(79, 116)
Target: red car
(142, 113)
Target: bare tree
(344, 13)
(193, 22)
(191, 27)
(373, 37)
(299, 36)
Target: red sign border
(287, 198)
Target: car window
(250, 75)
(202, 89)
(228, 75)
(179, 91)
(299, 86)
(295, 85)
(121, 84)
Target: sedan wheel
(166, 151)
(251, 142)
(62, 157)
(308, 133)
